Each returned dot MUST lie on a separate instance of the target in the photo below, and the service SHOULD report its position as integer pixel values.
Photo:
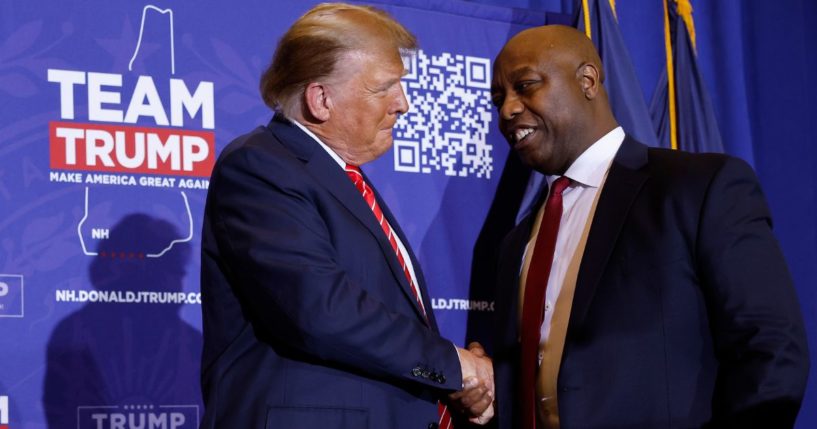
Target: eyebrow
(383, 86)
(393, 82)
(519, 72)
(514, 75)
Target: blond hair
(311, 48)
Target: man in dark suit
(316, 313)
(647, 291)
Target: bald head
(547, 85)
(556, 43)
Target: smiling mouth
(520, 136)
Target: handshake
(476, 399)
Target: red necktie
(534, 300)
(357, 178)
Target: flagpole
(673, 126)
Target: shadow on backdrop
(111, 361)
(500, 220)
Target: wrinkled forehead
(371, 67)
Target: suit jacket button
(441, 379)
(433, 426)
(416, 371)
(426, 374)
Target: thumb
(476, 348)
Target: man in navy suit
(316, 313)
(647, 291)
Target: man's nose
(510, 107)
(401, 105)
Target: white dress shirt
(587, 174)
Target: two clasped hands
(476, 399)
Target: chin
(380, 151)
(538, 163)
(530, 159)
(384, 145)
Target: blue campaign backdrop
(112, 112)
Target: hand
(477, 396)
(475, 400)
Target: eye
(384, 89)
(524, 85)
(497, 100)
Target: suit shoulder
(678, 159)
(259, 160)
(259, 150)
(681, 165)
(257, 138)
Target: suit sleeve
(756, 321)
(282, 265)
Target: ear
(316, 100)
(589, 77)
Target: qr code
(446, 127)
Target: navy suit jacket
(309, 321)
(684, 313)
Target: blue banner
(112, 116)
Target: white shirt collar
(591, 166)
(328, 150)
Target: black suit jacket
(309, 321)
(684, 313)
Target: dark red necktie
(534, 301)
(368, 195)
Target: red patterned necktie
(534, 300)
(357, 178)
(368, 195)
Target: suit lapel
(507, 294)
(329, 174)
(626, 177)
(421, 285)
